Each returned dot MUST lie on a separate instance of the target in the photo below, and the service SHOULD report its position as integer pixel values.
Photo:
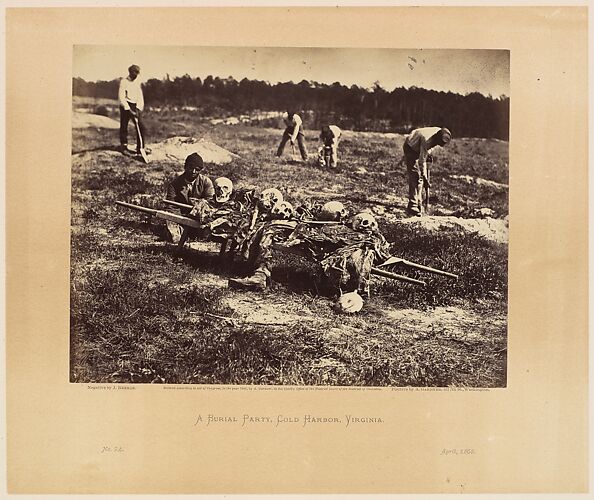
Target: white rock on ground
(489, 228)
(481, 182)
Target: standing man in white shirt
(417, 147)
(131, 106)
(293, 132)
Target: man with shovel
(131, 106)
(293, 133)
(417, 147)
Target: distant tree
(154, 91)
(349, 107)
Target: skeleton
(364, 222)
(333, 211)
(223, 188)
(270, 197)
(283, 210)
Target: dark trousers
(333, 145)
(415, 178)
(125, 117)
(300, 141)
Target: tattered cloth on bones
(233, 220)
(346, 256)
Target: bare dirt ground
(140, 315)
(88, 120)
(176, 149)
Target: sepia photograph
(289, 216)
(302, 250)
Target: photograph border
(530, 437)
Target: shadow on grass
(137, 225)
(300, 275)
(294, 274)
(104, 147)
(301, 281)
(117, 183)
(375, 201)
(197, 260)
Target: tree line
(354, 107)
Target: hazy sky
(461, 71)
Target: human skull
(223, 188)
(350, 302)
(271, 197)
(282, 210)
(333, 211)
(364, 222)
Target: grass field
(139, 315)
